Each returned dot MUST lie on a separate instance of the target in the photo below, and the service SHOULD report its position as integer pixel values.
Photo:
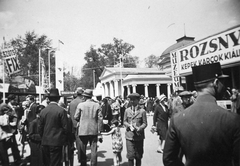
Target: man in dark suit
(72, 109)
(53, 130)
(89, 115)
(33, 108)
(135, 121)
(208, 134)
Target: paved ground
(150, 157)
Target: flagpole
(121, 77)
(39, 68)
(4, 95)
(3, 65)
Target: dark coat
(208, 135)
(160, 119)
(32, 113)
(72, 109)
(35, 143)
(53, 125)
(107, 112)
(139, 120)
(150, 103)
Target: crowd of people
(192, 129)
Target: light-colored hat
(142, 101)
(88, 93)
(26, 103)
(179, 89)
(185, 93)
(79, 91)
(162, 97)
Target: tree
(93, 68)
(108, 55)
(71, 82)
(117, 50)
(28, 53)
(151, 61)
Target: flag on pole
(42, 62)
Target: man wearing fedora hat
(208, 134)
(72, 109)
(89, 116)
(53, 130)
(135, 121)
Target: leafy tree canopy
(28, 53)
(151, 61)
(108, 55)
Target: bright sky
(150, 25)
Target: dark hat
(88, 93)
(134, 95)
(4, 107)
(185, 93)
(11, 97)
(79, 91)
(53, 93)
(208, 72)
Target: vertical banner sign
(10, 60)
(175, 72)
(59, 71)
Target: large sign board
(223, 47)
(17, 82)
(10, 60)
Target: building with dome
(165, 61)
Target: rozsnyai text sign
(223, 47)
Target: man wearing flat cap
(186, 98)
(53, 130)
(208, 134)
(89, 116)
(72, 109)
(135, 121)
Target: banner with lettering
(223, 47)
(10, 58)
(17, 82)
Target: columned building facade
(149, 82)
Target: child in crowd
(117, 143)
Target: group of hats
(55, 93)
(201, 74)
